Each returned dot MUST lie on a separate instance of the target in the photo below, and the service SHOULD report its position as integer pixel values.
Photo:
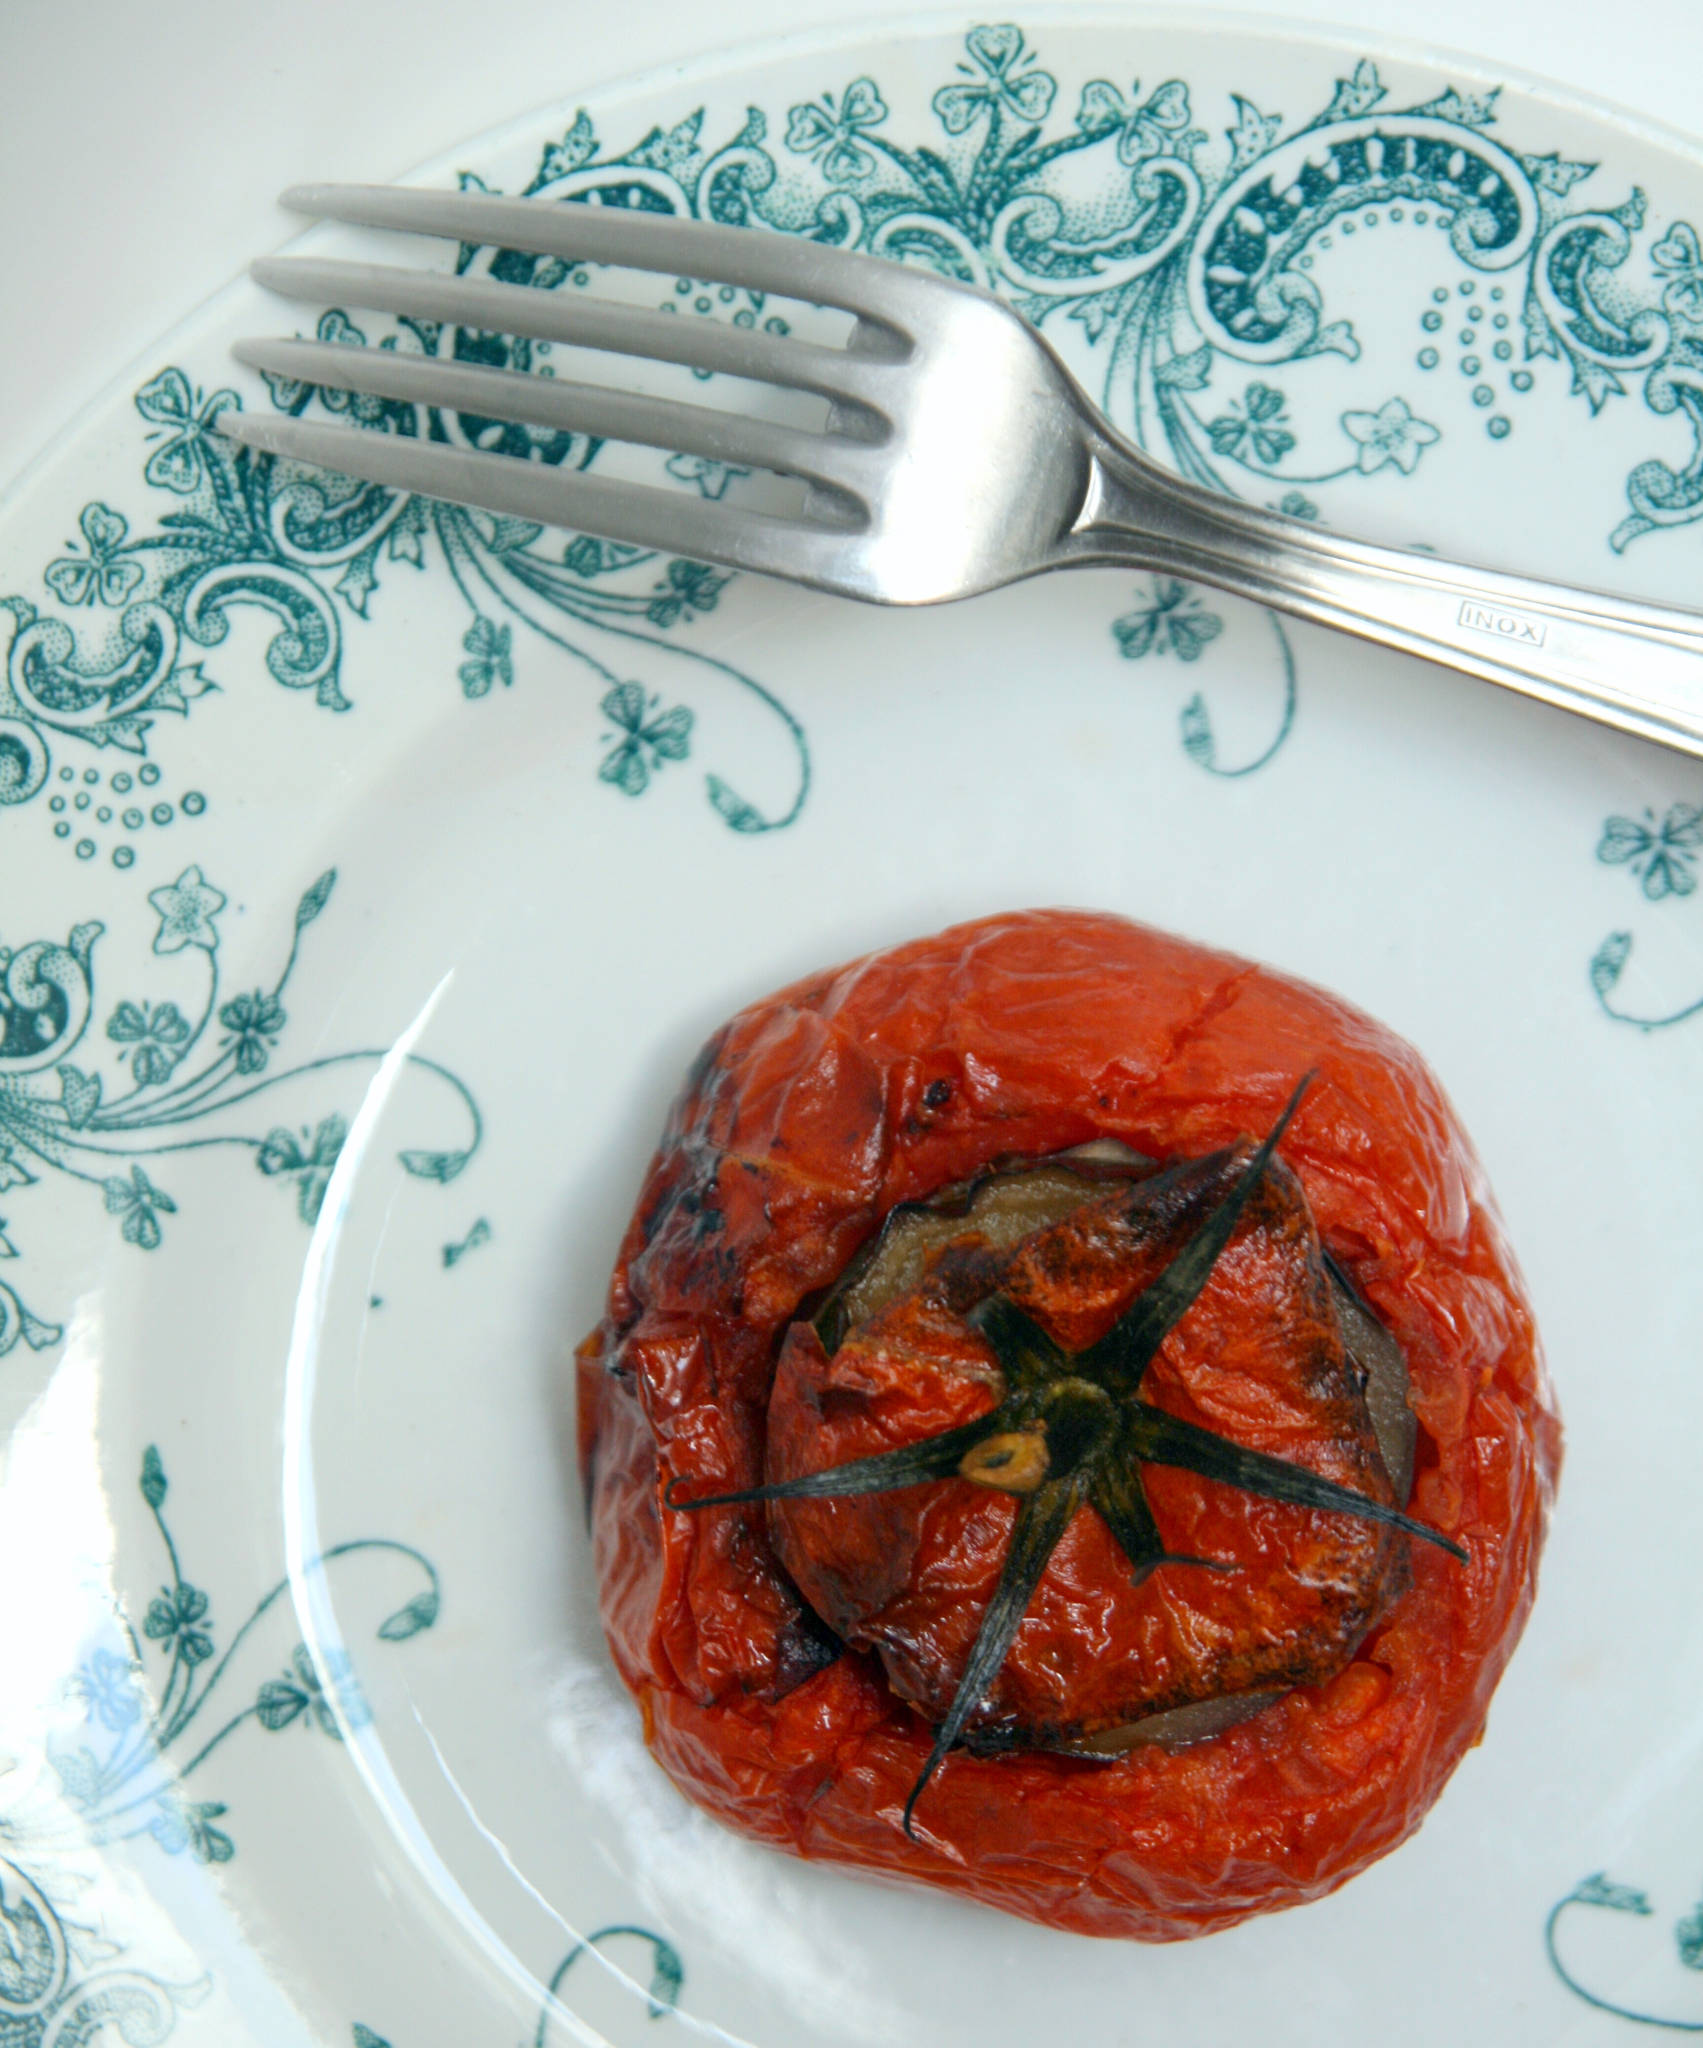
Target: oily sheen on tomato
(999, 1477)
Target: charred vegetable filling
(1092, 1452)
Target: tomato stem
(1073, 1430)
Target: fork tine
(705, 530)
(554, 402)
(579, 321)
(635, 239)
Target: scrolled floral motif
(1661, 855)
(183, 424)
(107, 697)
(254, 1023)
(1155, 126)
(666, 1974)
(1678, 259)
(50, 1999)
(45, 996)
(1176, 234)
(649, 737)
(1247, 290)
(1602, 1894)
(827, 131)
(1391, 435)
(153, 1037)
(23, 761)
(1180, 252)
(307, 549)
(487, 646)
(1259, 429)
(188, 1061)
(1173, 620)
(1010, 82)
(1170, 618)
(147, 1697)
(104, 575)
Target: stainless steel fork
(958, 454)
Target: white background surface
(141, 146)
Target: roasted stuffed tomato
(1067, 1428)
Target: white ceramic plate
(372, 870)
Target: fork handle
(1625, 663)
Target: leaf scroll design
(170, 1068)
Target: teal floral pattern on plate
(1177, 257)
(146, 1086)
(125, 1780)
(64, 1983)
(478, 1233)
(1661, 855)
(307, 550)
(1194, 252)
(1600, 1893)
(1174, 256)
(667, 1974)
(1171, 618)
(151, 1722)
(1197, 260)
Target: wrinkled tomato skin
(805, 1120)
(910, 1574)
